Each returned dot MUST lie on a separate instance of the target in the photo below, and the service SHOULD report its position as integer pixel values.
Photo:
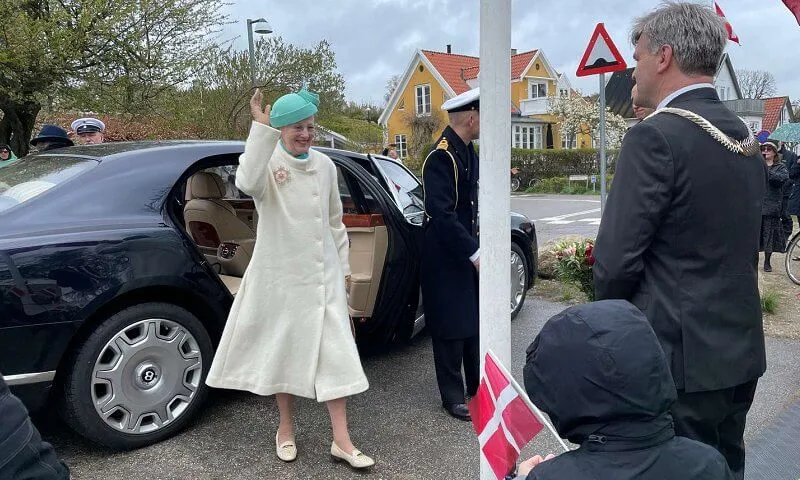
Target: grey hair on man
(696, 34)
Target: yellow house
(433, 77)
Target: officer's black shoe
(459, 411)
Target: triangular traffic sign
(602, 56)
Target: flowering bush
(574, 261)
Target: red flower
(589, 254)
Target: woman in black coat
(773, 237)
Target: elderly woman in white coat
(289, 330)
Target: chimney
(449, 48)
(513, 51)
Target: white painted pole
(602, 142)
(494, 198)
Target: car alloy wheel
(146, 376)
(518, 279)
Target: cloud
(374, 39)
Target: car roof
(113, 151)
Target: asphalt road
(559, 215)
(398, 421)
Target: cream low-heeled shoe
(356, 460)
(286, 451)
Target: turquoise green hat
(293, 107)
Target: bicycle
(793, 259)
(515, 179)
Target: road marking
(550, 199)
(568, 215)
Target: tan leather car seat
(209, 219)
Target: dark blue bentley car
(119, 263)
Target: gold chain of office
(746, 147)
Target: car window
(349, 204)
(228, 175)
(407, 186)
(30, 177)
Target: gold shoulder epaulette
(442, 144)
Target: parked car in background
(119, 263)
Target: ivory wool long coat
(288, 330)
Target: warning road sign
(600, 56)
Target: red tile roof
(456, 69)
(772, 112)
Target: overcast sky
(374, 39)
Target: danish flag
(503, 418)
(731, 35)
(794, 7)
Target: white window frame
(401, 145)
(529, 137)
(533, 85)
(563, 93)
(569, 142)
(422, 99)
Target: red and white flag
(731, 35)
(794, 7)
(503, 417)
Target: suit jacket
(679, 239)
(448, 278)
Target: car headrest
(205, 185)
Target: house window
(527, 136)
(423, 99)
(783, 115)
(563, 92)
(755, 127)
(537, 90)
(569, 141)
(401, 145)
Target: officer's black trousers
(717, 418)
(448, 356)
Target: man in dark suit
(450, 256)
(680, 234)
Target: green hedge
(546, 164)
(564, 186)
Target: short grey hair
(696, 34)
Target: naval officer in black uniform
(450, 256)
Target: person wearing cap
(7, 157)
(51, 137)
(450, 256)
(598, 371)
(289, 331)
(773, 236)
(89, 130)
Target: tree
(391, 86)
(161, 46)
(219, 97)
(54, 50)
(579, 116)
(423, 128)
(756, 83)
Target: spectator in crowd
(788, 207)
(90, 131)
(390, 152)
(640, 112)
(668, 242)
(51, 137)
(7, 157)
(600, 374)
(23, 454)
(773, 234)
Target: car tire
(133, 357)
(519, 266)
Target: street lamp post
(262, 28)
